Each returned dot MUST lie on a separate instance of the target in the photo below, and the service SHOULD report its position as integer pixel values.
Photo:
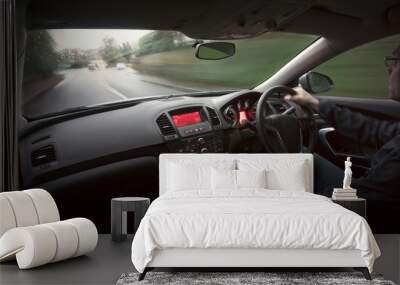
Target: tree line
(153, 42)
(42, 57)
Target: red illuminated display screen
(186, 119)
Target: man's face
(394, 77)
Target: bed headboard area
(285, 171)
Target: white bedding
(250, 219)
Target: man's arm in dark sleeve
(357, 126)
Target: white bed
(194, 223)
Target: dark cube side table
(119, 208)
(357, 205)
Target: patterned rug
(244, 278)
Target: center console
(193, 129)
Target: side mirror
(314, 82)
(215, 50)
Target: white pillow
(184, 175)
(230, 180)
(293, 180)
(282, 174)
(251, 178)
(223, 179)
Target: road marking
(67, 78)
(115, 92)
(104, 82)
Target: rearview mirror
(314, 82)
(215, 50)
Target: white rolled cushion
(45, 205)
(33, 246)
(23, 208)
(37, 245)
(87, 235)
(7, 218)
(251, 179)
(67, 240)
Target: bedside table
(357, 205)
(119, 208)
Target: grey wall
(389, 262)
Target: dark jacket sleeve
(357, 126)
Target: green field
(359, 73)
(254, 61)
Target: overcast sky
(90, 39)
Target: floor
(103, 266)
(111, 259)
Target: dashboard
(180, 124)
(241, 111)
(195, 129)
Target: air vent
(43, 155)
(166, 127)
(215, 122)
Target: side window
(361, 72)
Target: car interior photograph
(200, 142)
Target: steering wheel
(283, 132)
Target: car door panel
(337, 147)
(340, 147)
(385, 109)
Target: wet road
(82, 87)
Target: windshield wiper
(100, 106)
(127, 102)
(205, 93)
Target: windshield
(67, 69)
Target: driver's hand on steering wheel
(302, 97)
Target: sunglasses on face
(391, 61)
